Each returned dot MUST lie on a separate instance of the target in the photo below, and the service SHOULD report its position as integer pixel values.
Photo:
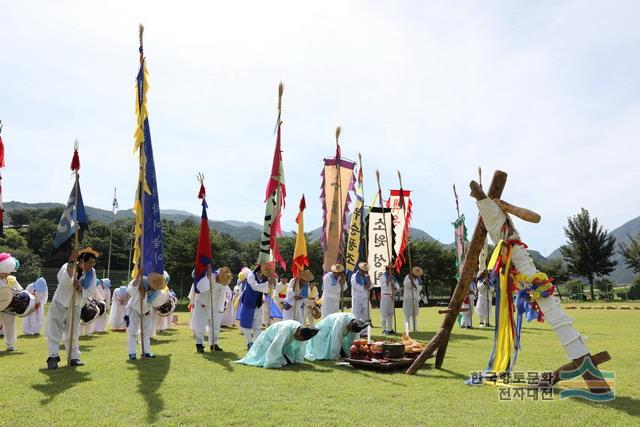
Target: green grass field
(183, 387)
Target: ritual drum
(17, 303)
(168, 307)
(102, 308)
(89, 312)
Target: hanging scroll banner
(335, 199)
(379, 240)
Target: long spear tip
(140, 33)
(338, 131)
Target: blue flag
(69, 216)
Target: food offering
(412, 348)
(384, 355)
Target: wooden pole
(388, 238)
(340, 211)
(441, 339)
(75, 266)
(141, 290)
(111, 236)
(411, 279)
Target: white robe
(331, 294)
(8, 321)
(467, 316)
(411, 302)
(483, 305)
(99, 325)
(118, 308)
(228, 312)
(387, 301)
(295, 311)
(32, 324)
(360, 298)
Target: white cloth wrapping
(118, 308)
(387, 303)
(32, 323)
(573, 343)
(331, 294)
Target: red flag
(204, 257)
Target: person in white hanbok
(389, 288)
(483, 305)
(208, 296)
(360, 286)
(104, 292)
(280, 293)
(8, 265)
(310, 305)
(59, 315)
(32, 324)
(411, 298)
(297, 292)
(226, 321)
(468, 303)
(333, 286)
(118, 307)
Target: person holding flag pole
(412, 282)
(76, 279)
(148, 289)
(262, 280)
(388, 283)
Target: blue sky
(547, 91)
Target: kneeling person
(337, 332)
(281, 344)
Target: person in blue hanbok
(258, 283)
(281, 344)
(337, 332)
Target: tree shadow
(222, 358)
(151, 374)
(58, 381)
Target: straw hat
(156, 281)
(417, 271)
(306, 276)
(337, 268)
(363, 266)
(267, 269)
(89, 250)
(224, 275)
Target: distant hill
(621, 274)
(239, 230)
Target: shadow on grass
(426, 336)
(626, 404)
(151, 374)
(58, 381)
(155, 342)
(434, 373)
(29, 336)
(167, 332)
(305, 367)
(222, 358)
(375, 375)
(10, 353)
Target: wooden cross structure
(438, 344)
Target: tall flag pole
(148, 256)
(406, 242)
(300, 257)
(204, 256)
(2, 164)
(275, 200)
(72, 217)
(353, 252)
(114, 210)
(387, 232)
(460, 234)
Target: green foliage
(631, 253)
(634, 292)
(15, 243)
(438, 263)
(590, 248)
(605, 286)
(555, 268)
(574, 288)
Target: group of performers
(288, 309)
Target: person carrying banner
(259, 283)
(211, 290)
(60, 310)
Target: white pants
(116, 317)
(386, 311)
(100, 323)
(87, 329)
(252, 334)
(330, 305)
(134, 328)
(58, 323)
(411, 309)
(200, 319)
(32, 324)
(360, 307)
(467, 316)
(9, 326)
